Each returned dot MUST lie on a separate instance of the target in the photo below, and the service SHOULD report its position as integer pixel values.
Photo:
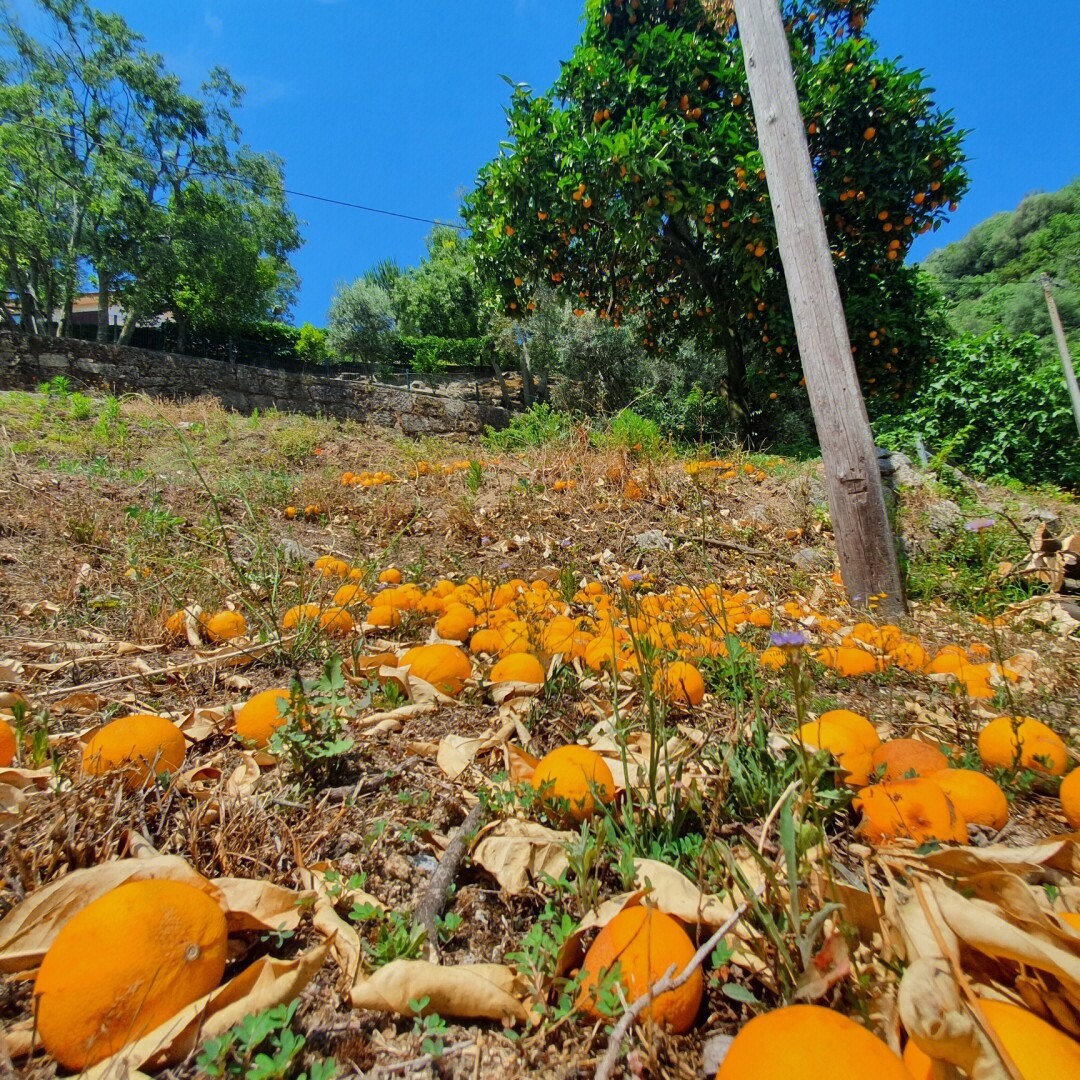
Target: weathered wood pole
(1063, 348)
(864, 537)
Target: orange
(8, 745)
(680, 683)
(348, 595)
(124, 964)
(384, 617)
(518, 668)
(143, 746)
(857, 724)
(260, 716)
(224, 625)
(808, 1042)
(336, 622)
(1011, 739)
(456, 624)
(644, 943)
(1069, 794)
(301, 613)
(919, 1064)
(329, 566)
(575, 775)
(916, 809)
(446, 667)
(901, 759)
(848, 661)
(1040, 1052)
(845, 746)
(391, 576)
(487, 641)
(977, 798)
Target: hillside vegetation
(991, 277)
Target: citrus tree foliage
(636, 187)
(107, 164)
(995, 405)
(991, 277)
(361, 323)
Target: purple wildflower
(979, 524)
(790, 639)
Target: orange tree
(636, 187)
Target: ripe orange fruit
(856, 724)
(224, 625)
(1069, 794)
(456, 624)
(348, 595)
(918, 1063)
(679, 683)
(811, 1043)
(901, 759)
(125, 964)
(575, 775)
(336, 622)
(143, 746)
(8, 746)
(446, 667)
(518, 668)
(487, 641)
(301, 613)
(917, 809)
(977, 798)
(644, 943)
(1040, 1051)
(260, 716)
(391, 576)
(384, 616)
(329, 566)
(1009, 740)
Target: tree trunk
(526, 376)
(103, 307)
(738, 406)
(181, 332)
(131, 320)
(496, 367)
(545, 386)
(864, 538)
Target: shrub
(996, 406)
(538, 426)
(629, 430)
(434, 354)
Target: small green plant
(155, 522)
(313, 739)
(474, 477)
(539, 426)
(431, 1028)
(80, 407)
(396, 936)
(630, 431)
(262, 1046)
(57, 388)
(537, 960)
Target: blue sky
(397, 106)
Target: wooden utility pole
(1063, 349)
(864, 537)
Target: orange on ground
(8, 745)
(446, 667)
(644, 943)
(518, 668)
(125, 964)
(979, 800)
(845, 746)
(260, 716)
(1039, 1051)
(143, 746)
(384, 617)
(391, 576)
(176, 624)
(575, 775)
(487, 641)
(349, 594)
(456, 624)
(1069, 794)
(224, 625)
(849, 661)
(902, 759)
(336, 622)
(859, 726)
(918, 1063)
(1070, 919)
(808, 1042)
(1009, 739)
(301, 613)
(329, 566)
(680, 683)
(916, 809)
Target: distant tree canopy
(110, 170)
(635, 186)
(990, 278)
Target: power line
(41, 129)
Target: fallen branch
(433, 901)
(670, 981)
(730, 545)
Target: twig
(668, 982)
(788, 791)
(730, 545)
(434, 899)
(368, 784)
(422, 1062)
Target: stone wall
(26, 361)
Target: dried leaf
(465, 992)
(259, 905)
(516, 853)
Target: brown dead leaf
(520, 765)
(464, 992)
(251, 904)
(82, 701)
(517, 853)
(244, 778)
